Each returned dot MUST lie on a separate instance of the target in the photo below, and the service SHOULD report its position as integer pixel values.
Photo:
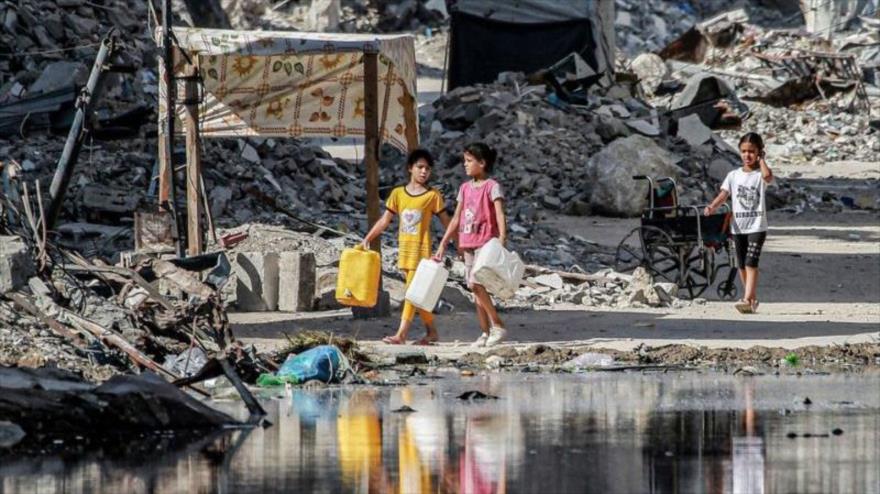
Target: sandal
(743, 307)
(425, 341)
(754, 305)
(393, 340)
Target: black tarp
(480, 48)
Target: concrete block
(16, 264)
(256, 281)
(296, 281)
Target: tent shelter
(488, 37)
(288, 84)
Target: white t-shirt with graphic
(746, 191)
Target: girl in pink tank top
(479, 217)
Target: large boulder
(611, 170)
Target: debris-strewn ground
(753, 360)
(562, 155)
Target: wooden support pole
(165, 166)
(371, 139)
(411, 123)
(194, 206)
(167, 195)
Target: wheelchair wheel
(630, 252)
(727, 289)
(697, 273)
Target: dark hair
(483, 153)
(752, 138)
(419, 154)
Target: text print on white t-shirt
(747, 191)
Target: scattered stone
(692, 130)
(411, 358)
(550, 280)
(651, 70)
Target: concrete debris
(692, 130)
(605, 288)
(612, 170)
(16, 264)
(651, 70)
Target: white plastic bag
(499, 270)
(427, 284)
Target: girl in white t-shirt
(745, 187)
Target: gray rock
(651, 70)
(611, 171)
(693, 130)
(550, 280)
(61, 74)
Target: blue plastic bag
(326, 363)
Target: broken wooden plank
(63, 331)
(127, 274)
(108, 337)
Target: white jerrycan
(427, 284)
(499, 270)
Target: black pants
(747, 248)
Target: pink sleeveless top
(478, 223)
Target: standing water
(545, 433)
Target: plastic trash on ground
(324, 363)
(499, 270)
(589, 360)
(427, 284)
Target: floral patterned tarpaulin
(291, 84)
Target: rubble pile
(101, 319)
(811, 97)
(48, 45)
(647, 26)
(604, 288)
(348, 16)
(555, 156)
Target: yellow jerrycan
(358, 282)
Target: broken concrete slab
(692, 130)
(550, 280)
(16, 263)
(256, 281)
(58, 75)
(296, 281)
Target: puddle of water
(653, 433)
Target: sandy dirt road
(820, 284)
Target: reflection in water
(548, 434)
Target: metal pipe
(79, 130)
